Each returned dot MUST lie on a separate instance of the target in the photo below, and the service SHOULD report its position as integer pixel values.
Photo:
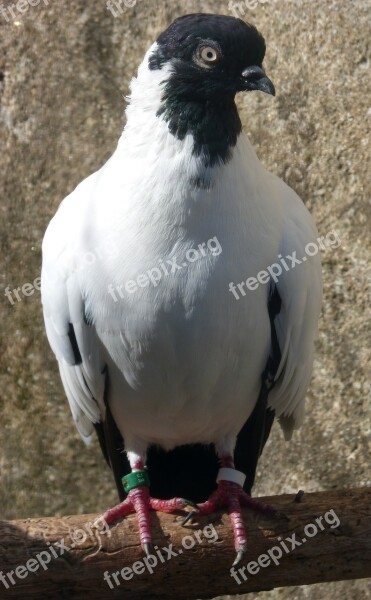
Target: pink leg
(232, 496)
(139, 501)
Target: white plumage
(184, 359)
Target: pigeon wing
(72, 339)
(300, 290)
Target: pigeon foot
(140, 502)
(231, 495)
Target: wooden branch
(33, 552)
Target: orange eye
(209, 55)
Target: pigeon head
(201, 62)
(212, 57)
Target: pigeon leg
(140, 502)
(231, 495)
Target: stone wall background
(64, 71)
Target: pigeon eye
(209, 55)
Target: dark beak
(254, 78)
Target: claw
(192, 504)
(148, 549)
(299, 496)
(191, 514)
(239, 556)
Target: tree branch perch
(197, 564)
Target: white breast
(185, 356)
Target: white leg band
(227, 474)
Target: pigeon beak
(254, 78)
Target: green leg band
(134, 480)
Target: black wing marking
(74, 344)
(112, 444)
(254, 434)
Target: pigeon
(180, 369)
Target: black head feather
(240, 43)
(198, 98)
